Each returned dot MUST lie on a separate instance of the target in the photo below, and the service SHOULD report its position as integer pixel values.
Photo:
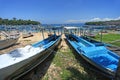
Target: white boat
(9, 40)
(22, 60)
(26, 35)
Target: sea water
(34, 28)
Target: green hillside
(112, 22)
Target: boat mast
(101, 35)
(41, 28)
(43, 33)
(78, 31)
(61, 30)
(58, 31)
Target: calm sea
(57, 25)
(34, 27)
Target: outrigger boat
(96, 43)
(9, 40)
(97, 55)
(22, 60)
(26, 35)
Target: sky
(61, 11)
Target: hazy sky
(61, 11)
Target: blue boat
(96, 43)
(21, 60)
(96, 54)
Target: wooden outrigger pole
(58, 31)
(42, 33)
(101, 35)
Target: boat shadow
(39, 72)
(77, 75)
(92, 71)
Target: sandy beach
(25, 41)
(31, 40)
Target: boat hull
(21, 68)
(8, 42)
(27, 35)
(108, 72)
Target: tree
(14, 21)
(14, 18)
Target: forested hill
(15, 21)
(112, 22)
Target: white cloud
(93, 19)
(104, 19)
(107, 19)
(100, 19)
(118, 18)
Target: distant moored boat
(26, 35)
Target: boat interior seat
(40, 44)
(73, 39)
(96, 43)
(90, 40)
(53, 38)
(99, 44)
(106, 60)
(98, 50)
